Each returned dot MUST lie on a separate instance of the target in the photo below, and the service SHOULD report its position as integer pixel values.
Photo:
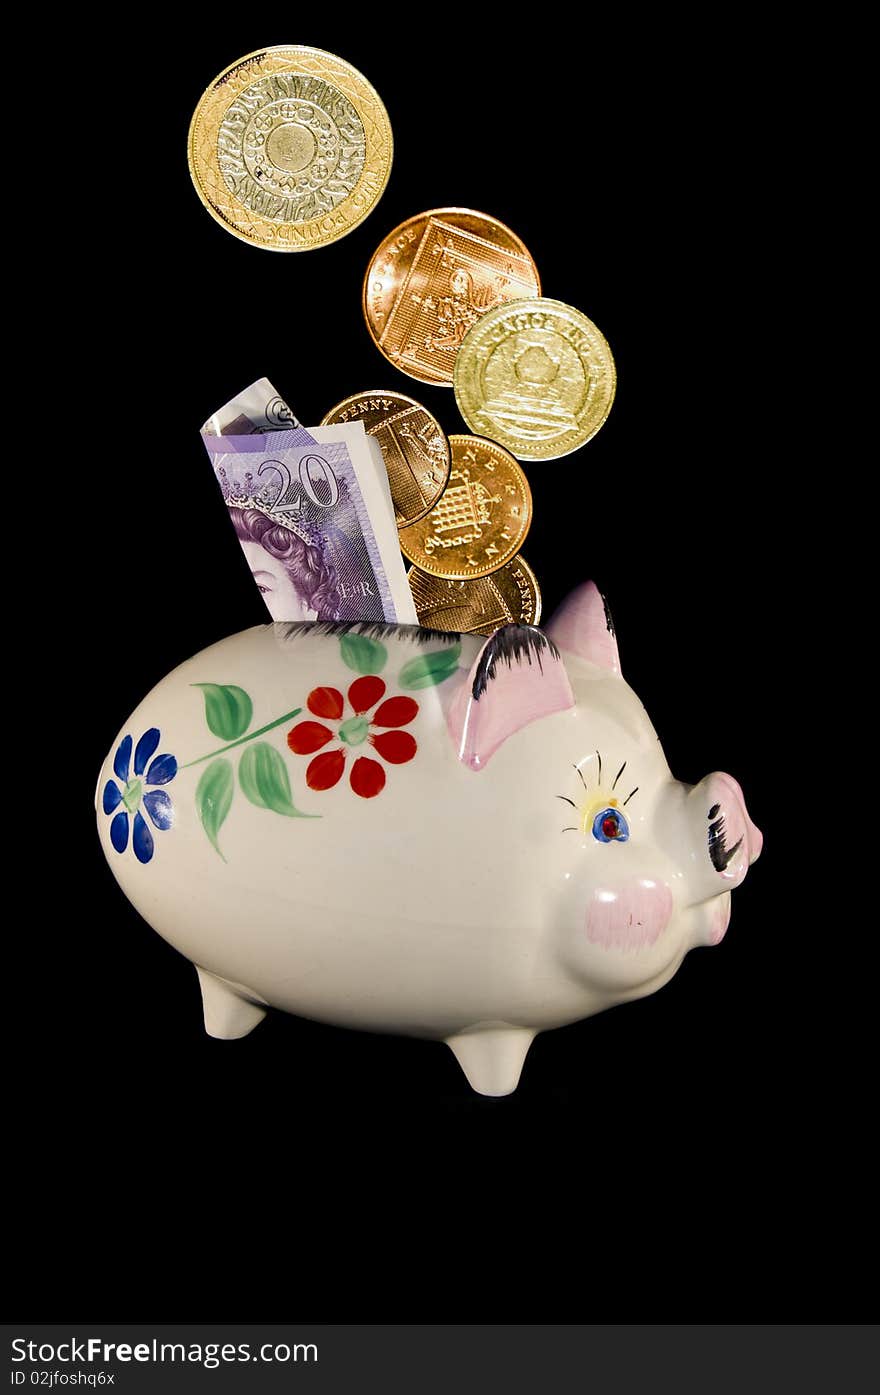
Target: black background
(693, 1155)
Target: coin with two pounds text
(290, 148)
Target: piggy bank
(402, 830)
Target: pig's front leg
(228, 1013)
(491, 1054)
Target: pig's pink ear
(582, 625)
(517, 677)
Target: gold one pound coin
(413, 443)
(432, 278)
(538, 376)
(479, 607)
(482, 518)
(290, 148)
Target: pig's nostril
(722, 832)
(726, 840)
(738, 816)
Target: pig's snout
(727, 842)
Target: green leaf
(263, 777)
(428, 669)
(228, 709)
(363, 654)
(214, 798)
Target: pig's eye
(610, 826)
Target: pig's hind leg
(491, 1054)
(229, 1012)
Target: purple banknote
(312, 510)
(315, 523)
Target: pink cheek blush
(630, 916)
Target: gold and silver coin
(537, 376)
(482, 517)
(477, 607)
(414, 446)
(290, 148)
(432, 278)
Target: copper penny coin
(432, 278)
(483, 515)
(481, 606)
(413, 444)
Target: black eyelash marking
(714, 810)
(630, 795)
(718, 852)
(600, 767)
(571, 829)
(567, 800)
(619, 773)
(609, 623)
(511, 644)
(376, 629)
(580, 774)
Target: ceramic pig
(403, 830)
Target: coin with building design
(537, 376)
(290, 148)
(432, 278)
(413, 444)
(479, 606)
(482, 517)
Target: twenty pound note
(313, 513)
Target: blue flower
(132, 794)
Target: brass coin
(537, 376)
(510, 595)
(290, 148)
(432, 278)
(481, 520)
(413, 443)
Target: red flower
(367, 776)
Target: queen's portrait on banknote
(290, 568)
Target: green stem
(241, 740)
